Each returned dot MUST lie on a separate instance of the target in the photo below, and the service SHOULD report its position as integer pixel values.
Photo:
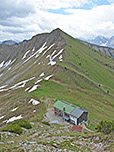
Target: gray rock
(99, 145)
(32, 142)
(110, 142)
(32, 123)
(10, 142)
(36, 135)
(97, 138)
(55, 145)
(39, 149)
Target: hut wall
(83, 117)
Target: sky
(22, 19)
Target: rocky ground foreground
(55, 138)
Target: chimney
(63, 108)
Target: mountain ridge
(103, 49)
(8, 42)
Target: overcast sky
(21, 19)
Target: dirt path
(83, 125)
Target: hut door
(75, 121)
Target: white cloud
(77, 22)
(20, 8)
(80, 23)
(97, 21)
(58, 4)
(111, 1)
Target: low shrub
(105, 127)
(46, 123)
(3, 150)
(14, 128)
(23, 123)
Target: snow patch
(38, 81)
(18, 85)
(25, 54)
(48, 77)
(1, 74)
(57, 54)
(61, 58)
(51, 58)
(9, 69)
(41, 50)
(34, 110)
(104, 44)
(48, 48)
(3, 86)
(5, 64)
(2, 117)
(37, 53)
(14, 118)
(53, 53)
(21, 84)
(42, 74)
(1, 90)
(1, 64)
(51, 46)
(27, 89)
(4, 121)
(33, 49)
(34, 102)
(14, 109)
(47, 56)
(34, 88)
(13, 61)
(52, 62)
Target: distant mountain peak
(8, 42)
(102, 41)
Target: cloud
(17, 8)
(111, 1)
(27, 18)
(80, 23)
(50, 4)
(97, 21)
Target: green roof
(60, 105)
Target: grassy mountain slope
(77, 77)
(76, 71)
